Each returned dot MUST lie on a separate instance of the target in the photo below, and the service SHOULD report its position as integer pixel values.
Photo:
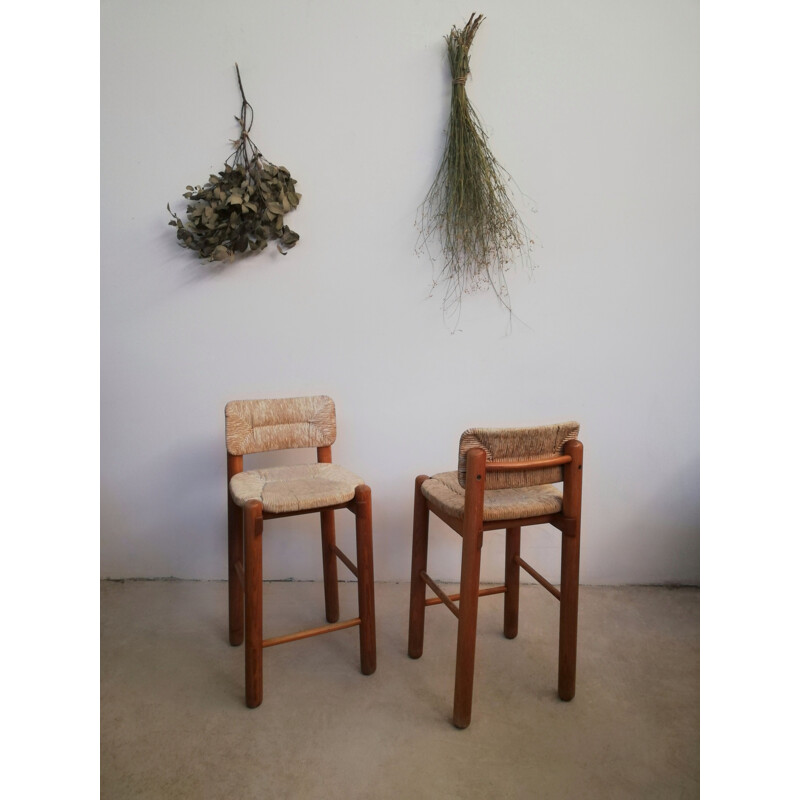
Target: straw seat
(305, 487)
(444, 492)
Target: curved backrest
(517, 444)
(255, 426)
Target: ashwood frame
(245, 582)
(471, 529)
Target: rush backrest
(255, 426)
(517, 444)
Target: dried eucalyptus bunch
(242, 207)
(469, 206)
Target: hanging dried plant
(468, 206)
(242, 207)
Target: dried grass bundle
(479, 231)
(242, 207)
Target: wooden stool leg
(568, 619)
(570, 562)
(253, 593)
(235, 586)
(235, 559)
(472, 539)
(329, 573)
(366, 587)
(467, 629)
(419, 562)
(511, 602)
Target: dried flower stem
(468, 205)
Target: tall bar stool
(257, 426)
(504, 480)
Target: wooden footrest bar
(534, 574)
(293, 637)
(346, 561)
(443, 598)
(434, 601)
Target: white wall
(592, 105)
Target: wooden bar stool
(504, 480)
(257, 426)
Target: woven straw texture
(445, 493)
(517, 444)
(255, 426)
(297, 488)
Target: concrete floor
(174, 723)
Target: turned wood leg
(419, 562)
(511, 602)
(329, 573)
(235, 585)
(366, 587)
(253, 591)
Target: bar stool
(504, 480)
(257, 426)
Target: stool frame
(245, 581)
(471, 529)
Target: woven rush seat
(445, 493)
(283, 490)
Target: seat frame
(471, 529)
(245, 581)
